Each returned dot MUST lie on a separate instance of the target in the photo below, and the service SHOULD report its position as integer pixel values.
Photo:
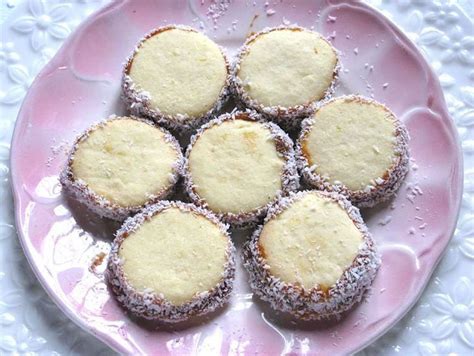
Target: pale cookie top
(311, 242)
(182, 70)
(235, 166)
(176, 253)
(126, 161)
(351, 141)
(287, 67)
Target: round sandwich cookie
(177, 76)
(313, 257)
(282, 72)
(238, 165)
(172, 261)
(120, 165)
(355, 146)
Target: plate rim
(37, 270)
(104, 337)
(400, 32)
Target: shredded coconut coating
(289, 177)
(102, 206)
(150, 305)
(138, 101)
(382, 188)
(288, 118)
(313, 304)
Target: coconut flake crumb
(413, 190)
(270, 12)
(356, 51)
(217, 9)
(49, 161)
(386, 220)
(379, 181)
(62, 147)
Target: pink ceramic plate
(81, 85)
